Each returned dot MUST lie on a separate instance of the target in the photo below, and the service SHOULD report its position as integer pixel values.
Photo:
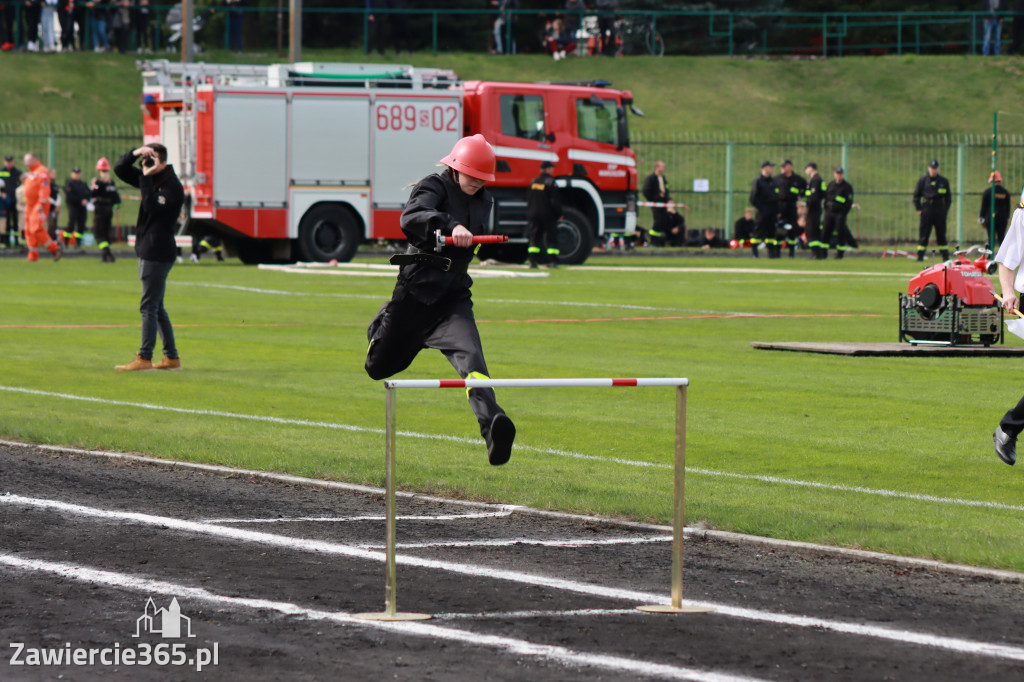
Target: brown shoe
(168, 363)
(136, 365)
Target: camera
(148, 162)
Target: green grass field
(886, 454)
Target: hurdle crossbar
(681, 384)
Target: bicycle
(634, 31)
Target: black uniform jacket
(815, 192)
(791, 188)
(542, 199)
(104, 192)
(75, 191)
(839, 197)
(160, 205)
(437, 203)
(932, 192)
(1002, 205)
(652, 189)
(764, 195)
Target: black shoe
(1006, 445)
(499, 440)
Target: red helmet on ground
(473, 156)
(103, 164)
(995, 176)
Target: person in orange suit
(37, 208)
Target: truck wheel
(575, 237)
(328, 232)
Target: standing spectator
(574, 10)
(932, 200)
(37, 207)
(161, 202)
(46, 18)
(8, 34)
(1018, 27)
(543, 210)
(104, 197)
(401, 36)
(814, 195)
(1002, 210)
(121, 23)
(791, 189)
(743, 228)
(838, 202)
(76, 196)
(764, 196)
(236, 21)
(11, 175)
(143, 30)
(32, 10)
(432, 305)
(98, 16)
(667, 226)
(376, 25)
(53, 218)
(80, 17)
(606, 25)
(993, 28)
(505, 22)
(67, 25)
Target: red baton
(477, 239)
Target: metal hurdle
(391, 385)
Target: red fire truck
(306, 161)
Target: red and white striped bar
(531, 383)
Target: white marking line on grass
(524, 615)
(745, 271)
(372, 517)
(519, 647)
(893, 494)
(511, 542)
(369, 270)
(477, 571)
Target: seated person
(711, 240)
(743, 229)
(558, 40)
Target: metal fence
(883, 170)
(62, 147)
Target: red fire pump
(952, 303)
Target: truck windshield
(522, 116)
(596, 120)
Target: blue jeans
(154, 317)
(992, 26)
(99, 32)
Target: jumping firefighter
(764, 196)
(201, 245)
(791, 189)
(813, 197)
(37, 208)
(431, 306)
(932, 199)
(543, 210)
(104, 197)
(76, 194)
(838, 202)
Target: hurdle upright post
(390, 611)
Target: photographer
(161, 202)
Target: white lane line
(701, 533)
(368, 517)
(529, 615)
(477, 571)
(894, 494)
(511, 542)
(743, 271)
(509, 645)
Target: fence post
(51, 149)
(960, 192)
(728, 189)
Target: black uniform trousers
(836, 234)
(1013, 421)
(76, 218)
(813, 226)
(932, 215)
(543, 239)
(662, 224)
(405, 326)
(101, 221)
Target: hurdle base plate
(384, 615)
(665, 608)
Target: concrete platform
(888, 349)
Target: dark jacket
(542, 202)
(652, 190)
(764, 195)
(1002, 205)
(104, 193)
(839, 197)
(932, 192)
(75, 191)
(159, 208)
(791, 188)
(437, 203)
(12, 179)
(815, 192)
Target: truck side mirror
(550, 137)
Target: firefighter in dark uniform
(11, 175)
(76, 195)
(1002, 209)
(104, 198)
(814, 195)
(764, 196)
(431, 306)
(543, 210)
(791, 190)
(838, 202)
(932, 199)
(667, 226)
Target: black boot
(753, 250)
(945, 254)
(839, 254)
